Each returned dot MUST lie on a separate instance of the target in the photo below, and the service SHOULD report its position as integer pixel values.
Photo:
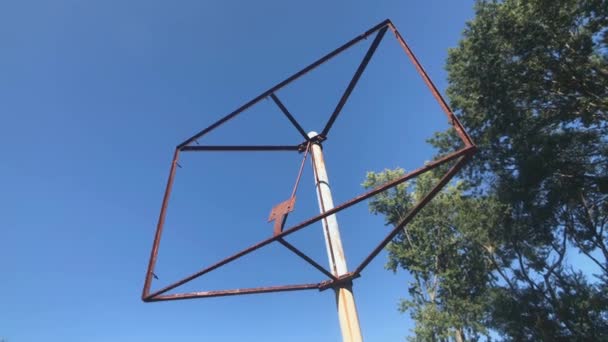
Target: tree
(529, 80)
(443, 248)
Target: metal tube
(345, 301)
(462, 133)
(241, 148)
(233, 292)
(159, 227)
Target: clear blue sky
(94, 96)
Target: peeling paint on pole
(345, 301)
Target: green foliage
(529, 81)
(443, 248)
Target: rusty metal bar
(245, 148)
(462, 133)
(307, 259)
(317, 218)
(410, 215)
(293, 120)
(234, 292)
(354, 80)
(285, 82)
(159, 226)
(295, 186)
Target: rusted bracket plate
(279, 213)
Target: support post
(345, 301)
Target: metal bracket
(317, 139)
(344, 279)
(279, 213)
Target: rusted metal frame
(159, 227)
(467, 151)
(354, 80)
(412, 213)
(307, 259)
(310, 221)
(233, 292)
(242, 148)
(285, 82)
(286, 112)
(462, 133)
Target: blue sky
(94, 96)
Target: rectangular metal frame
(460, 157)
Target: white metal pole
(345, 301)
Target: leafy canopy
(529, 81)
